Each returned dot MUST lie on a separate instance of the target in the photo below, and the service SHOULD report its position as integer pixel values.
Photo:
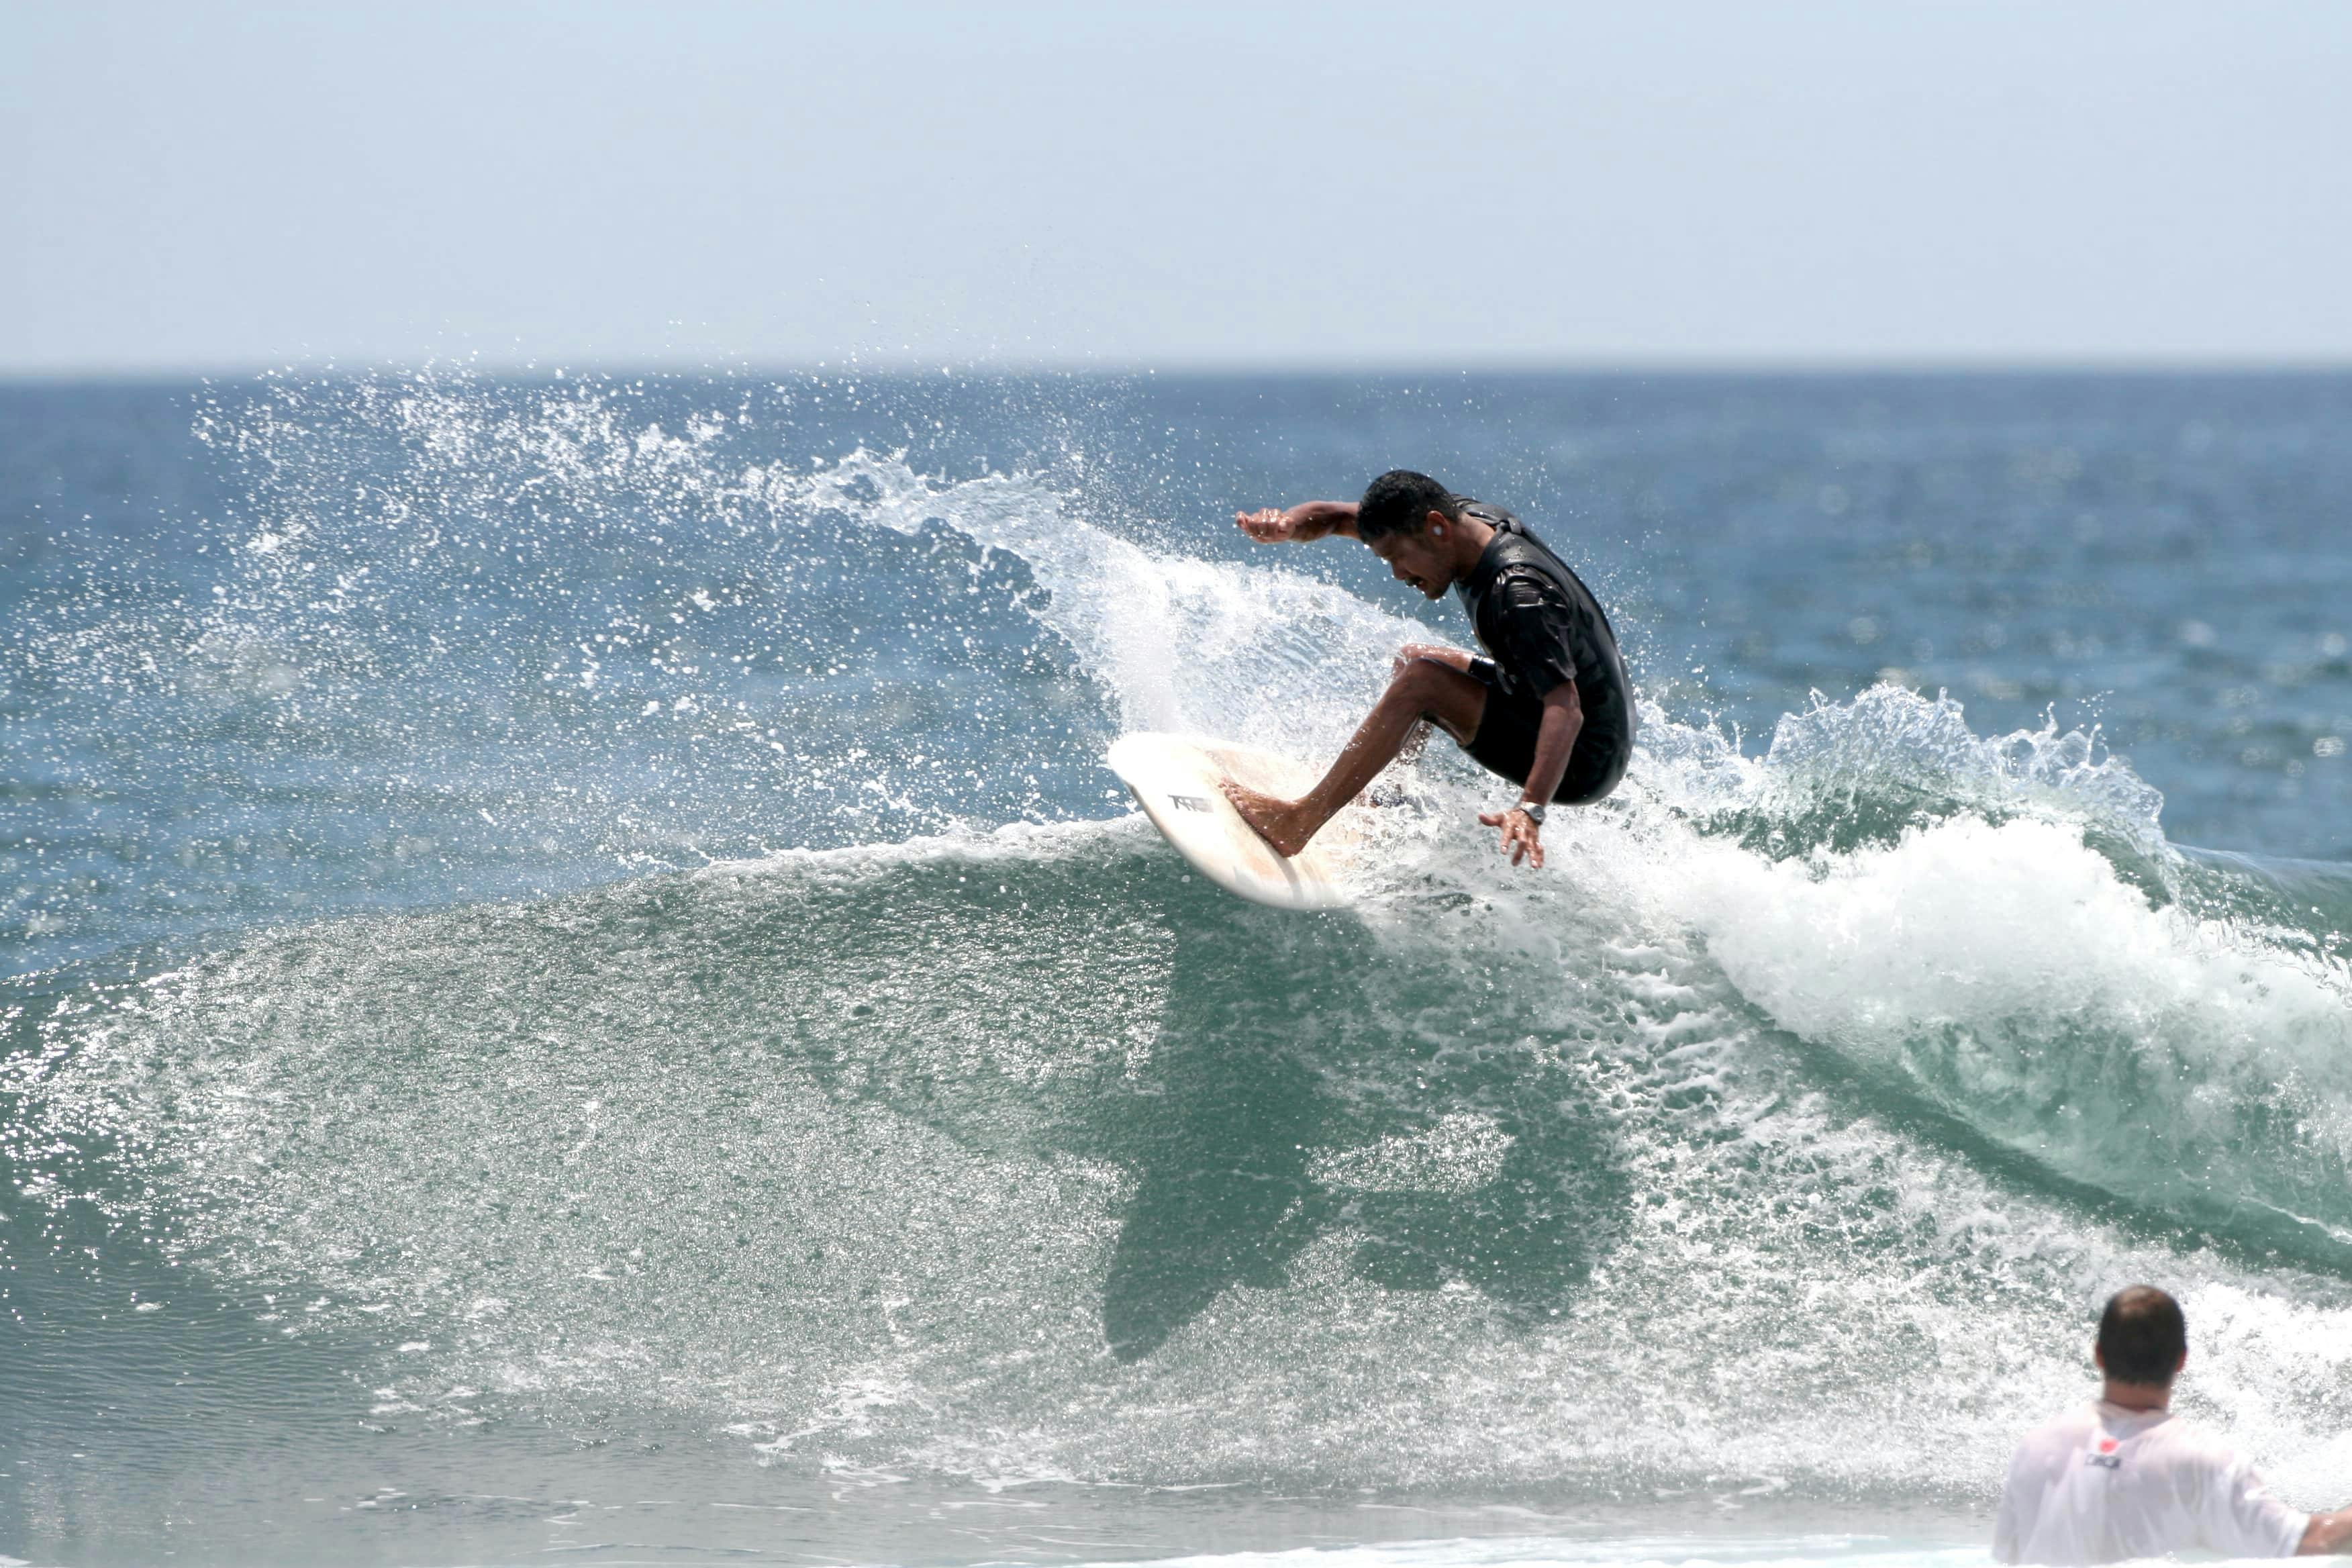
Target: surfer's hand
(1521, 838)
(1269, 525)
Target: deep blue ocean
(576, 983)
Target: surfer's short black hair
(2142, 1337)
(1400, 502)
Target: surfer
(1549, 708)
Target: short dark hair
(1400, 502)
(2142, 1337)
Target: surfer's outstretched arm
(1297, 524)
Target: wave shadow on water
(1259, 1080)
(1295, 1097)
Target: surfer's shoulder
(1516, 582)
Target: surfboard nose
(1177, 781)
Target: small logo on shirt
(2107, 1456)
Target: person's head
(1412, 523)
(2143, 1339)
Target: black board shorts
(1505, 744)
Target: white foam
(1826, 1551)
(2007, 973)
(1024, 843)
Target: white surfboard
(1174, 778)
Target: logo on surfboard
(1188, 802)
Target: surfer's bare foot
(1281, 822)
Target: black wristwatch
(1532, 810)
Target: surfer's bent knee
(1433, 686)
(1412, 653)
(1423, 682)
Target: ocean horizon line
(904, 368)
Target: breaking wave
(1776, 1136)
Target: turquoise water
(578, 982)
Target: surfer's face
(1421, 559)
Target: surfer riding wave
(1549, 708)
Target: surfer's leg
(1424, 689)
(1418, 736)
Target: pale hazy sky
(197, 185)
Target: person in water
(2121, 1476)
(1549, 708)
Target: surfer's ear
(1435, 524)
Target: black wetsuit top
(1542, 626)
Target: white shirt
(2101, 1483)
